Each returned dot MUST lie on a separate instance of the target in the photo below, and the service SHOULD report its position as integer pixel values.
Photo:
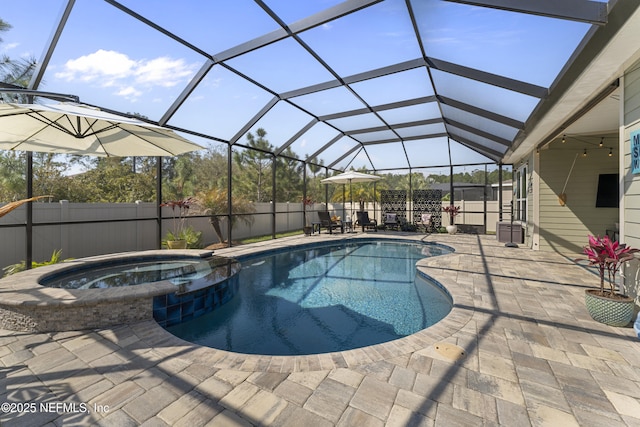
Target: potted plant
(452, 211)
(177, 237)
(307, 201)
(606, 305)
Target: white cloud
(130, 78)
(98, 65)
(165, 72)
(214, 82)
(10, 46)
(129, 92)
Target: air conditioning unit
(503, 232)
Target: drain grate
(450, 351)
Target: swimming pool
(324, 298)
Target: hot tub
(117, 289)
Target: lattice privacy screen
(394, 201)
(428, 201)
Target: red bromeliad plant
(453, 211)
(608, 256)
(182, 208)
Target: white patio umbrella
(70, 128)
(349, 177)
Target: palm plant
(14, 205)
(214, 202)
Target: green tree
(316, 167)
(252, 178)
(315, 188)
(288, 177)
(178, 173)
(12, 176)
(12, 165)
(17, 72)
(211, 169)
(111, 181)
(47, 172)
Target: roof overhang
(596, 82)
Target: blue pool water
(188, 273)
(323, 299)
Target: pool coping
(421, 341)
(27, 306)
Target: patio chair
(326, 222)
(391, 220)
(424, 221)
(365, 222)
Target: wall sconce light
(610, 152)
(601, 142)
(584, 154)
(564, 138)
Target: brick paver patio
(532, 356)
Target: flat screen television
(607, 196)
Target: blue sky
(114, 61)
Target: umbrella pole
(350, 199)
(344, 201)
(29, 228)
(351, 207)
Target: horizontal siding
(632, 202)
(565, 228)
(632, 186)
(632, 95)
(632, 234)
(631, 182)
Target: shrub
(22, 265)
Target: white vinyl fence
(124, 227)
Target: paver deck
(532, 356)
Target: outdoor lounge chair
(326, 222)
(365, 222)
(391, 220)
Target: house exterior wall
(527, 225)
(630, 212)
(529, 228)
(565, 228)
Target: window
(520, 194)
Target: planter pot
(307, 230)
(613, 312)
(452, 229)
(176, 244)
